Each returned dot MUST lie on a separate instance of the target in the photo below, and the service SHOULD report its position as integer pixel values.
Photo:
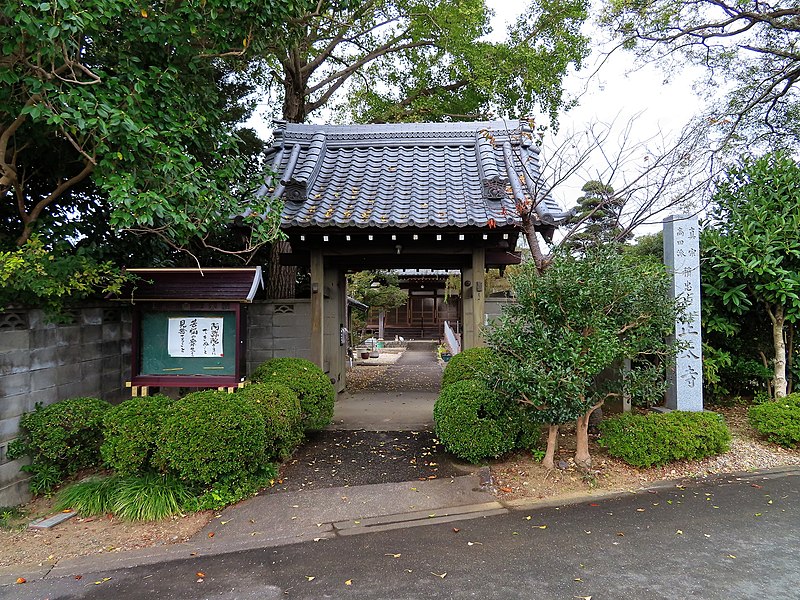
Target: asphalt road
(734, 538)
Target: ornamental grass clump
(283, 417)
(657, 439)
(131, 431)
(778, 421)
(210, 435)
(473, 422)
(148, 497)
(308, 381)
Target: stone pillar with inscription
(682, 258)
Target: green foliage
(596, 221)
(307, 380)
(778, 421)
(473, 422)
(34, 275)
(209, 435)
(752, 255)
(60, 439)
(131, 431)
(472, 363)
(135, 96)
(577, 321)
(148, 497)
(656, 439)
(283, 417)
(230, 490)
(434, 62)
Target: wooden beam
(317, 313)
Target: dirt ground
(521, 476)
(516, 476)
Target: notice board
(192, 342)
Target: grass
(147, 497)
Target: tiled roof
(421, 175)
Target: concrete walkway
(401, 400)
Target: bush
(472, 363)
(474, 422)
(313, 389)
(210, 435)
(283, 417)
(233, 489)
(131, 431)
(61, 439)
(659, 438)
(778, 421)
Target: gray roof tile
(418, 175)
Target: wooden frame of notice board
(187, 344)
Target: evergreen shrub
(60, 438)
(778, 421)
(209, 435)
(472, 363)
(473, 422)
(313, 389)
(283, 417)
(131, 431)
(660, 438)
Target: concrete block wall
(43, 362)
(277, 328)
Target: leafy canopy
(577, 320)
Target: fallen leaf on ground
(210, 534)
(103, 580)
(439, 575)
(349, 582)
(456, 530)
(310, 577)
(393, 555)
(507, 490)
(731, 556)
(678, 532)
(201, 574)
(21, 580)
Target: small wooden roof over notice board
(194, 285)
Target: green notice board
(188, 343)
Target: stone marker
(52, 521)
(682, 258)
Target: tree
(127, 95)
(751, 45)
(650, 179)
(598, 213)
(412, 60)
(578, 320)
(378, 290)
(753, 248)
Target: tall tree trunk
(381, 323)
(552, 444)
(533, 243)
(777, 316)
(582, 457)
(790, 357)
(280, 279)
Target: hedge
(308, 381)
(659, 438)
(283, 417)
(472, 363)
(473, 422)
(778, 421)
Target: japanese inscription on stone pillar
(682, 258)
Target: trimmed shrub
(210, 435)
(778, 421)
(473, 422)
(659, 438)
(313, 389)
(61, 438)
(131, 431)
(233, 489)
(472, 363)
(283, 417)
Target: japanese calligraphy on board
(191, 337)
